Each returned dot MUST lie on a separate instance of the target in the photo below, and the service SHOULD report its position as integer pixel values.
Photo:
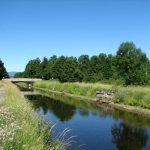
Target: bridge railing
(22, 79)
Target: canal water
(93, 127)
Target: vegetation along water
(131, 95)
(19, 128)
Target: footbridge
(25, 80)
(28, 81)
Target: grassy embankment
(131, 95)
(20, 130)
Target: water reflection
(83, 112)
(133, 120)
(127, 138)
(99, 127)
(63, 111)
(101, 110)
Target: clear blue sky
(38, 28)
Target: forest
(129, 66)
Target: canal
(92, 127)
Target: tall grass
(131, 95)
(134, 96)
(81, 89)
(29, 133)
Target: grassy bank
(20, 130)
(132, 95)
(90, 105)
(81, 89)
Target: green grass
(134, 96)
(24, 131)
(81, 89)
(131, 95)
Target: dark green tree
(32, 69)
(131, 64)
(84, 67)
(64, 69)
(43, 72)
(50, 65)
(94, 69)
(101, 67)
(3, 72)
(109, 70)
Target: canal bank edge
(132, 109)
(66, 94)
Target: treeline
(129, 66)
(3, 72)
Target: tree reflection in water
(127, 138)
(84, 112)
(61, 110)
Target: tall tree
(32, 69)
(43, 73)
(51, 62)
(84, 66)
(64, 69)
(131, 64)
(94, 68)
(3, 72)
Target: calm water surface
(95, 128)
